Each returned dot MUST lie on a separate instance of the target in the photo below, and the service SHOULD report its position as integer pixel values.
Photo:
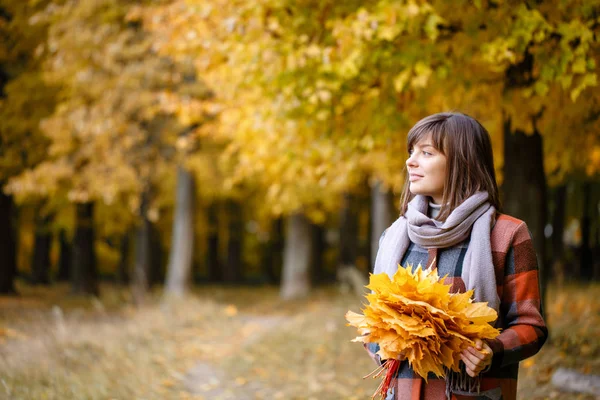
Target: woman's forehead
(424, 140)
(421, 138)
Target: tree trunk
(558, 229)
(596, 238)
(8, 244)
(215, 274)
(596, 249)
(180, 258)
(348, 232)
(295, 282)
(383, 214)
(65, 257)
(524, 188)
(157, 255)
(273, 252)
(586, 267)
(84, 275)
(40, 262)
(365, 211)
(141, 266)
(233, 267)
(318, 248)
(123, 268)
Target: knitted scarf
(474, 217)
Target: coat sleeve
(372, 349)
(524, 330)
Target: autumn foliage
(414, 317)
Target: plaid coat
(523, 328)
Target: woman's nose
(410, 161)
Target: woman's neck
(434, 209)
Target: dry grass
(228, 343)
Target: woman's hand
(477, 358)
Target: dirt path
(213, 382)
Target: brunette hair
(470, 160)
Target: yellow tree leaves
(125, 112)
(352, 77)
(274, 107)
(25, 97)
(414, 317)
(306, 98)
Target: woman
(449, 220)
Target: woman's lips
(414, 177)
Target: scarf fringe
(462, 383)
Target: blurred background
(193, 190)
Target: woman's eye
(427, 153)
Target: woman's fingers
(476, 360)
(469, 366)
(472, 368)
(471, 357)
(488, 350)
(478, 344)
(475, 353)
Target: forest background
(236, 159)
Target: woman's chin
(415, 189)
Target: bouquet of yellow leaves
(414, 317)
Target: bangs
(428, 129)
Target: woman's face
(427, 170)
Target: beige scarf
(474, 217)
